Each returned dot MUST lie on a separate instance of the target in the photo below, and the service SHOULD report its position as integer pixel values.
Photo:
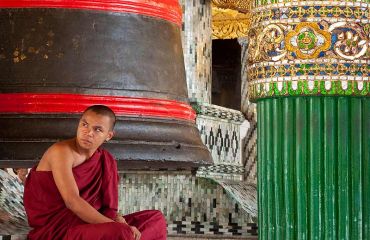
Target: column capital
(308, 48)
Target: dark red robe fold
(97, 181)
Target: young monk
(73, 192)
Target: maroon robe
(97, 181)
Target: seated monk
(73, 192)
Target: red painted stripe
(37, 103)
(165, 9)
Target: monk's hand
(120, 219)
(136, 232)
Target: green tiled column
(314, 168)
(309, 73)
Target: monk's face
(93, 129)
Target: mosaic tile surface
(197, 47)
(245, 194)
(249, 141)
(13, 237)
(197, 237)
(250, 154)
(222, 171)
(218, 112)
(220, 132)
(12, 214)
(222, 139)
(191, 205)
(228, 171)
(235, 183)
(309, 48)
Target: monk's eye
(98, 130)
(84, 124)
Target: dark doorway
(226, 79)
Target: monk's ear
(110, 135)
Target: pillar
(308, 72)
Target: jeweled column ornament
(309, 49)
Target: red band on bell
(165, 9)
(38, 103)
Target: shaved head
(104, 111)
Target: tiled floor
(197, 237)
(14, 237)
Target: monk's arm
(61, 165)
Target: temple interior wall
(195, 206)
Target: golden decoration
(306, 36)
(238, 5)
(352, 42)
(228, 24)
